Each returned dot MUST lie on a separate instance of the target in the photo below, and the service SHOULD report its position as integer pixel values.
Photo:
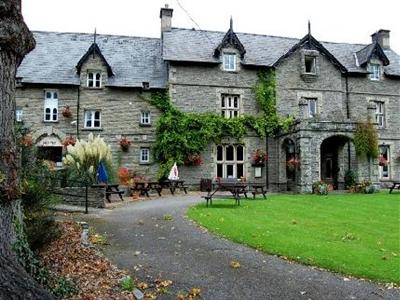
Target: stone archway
(335, 157)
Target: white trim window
(374, 71)
(144, 155)
(230, 106)
(18, 114)
(310, 64)
(92, 119)
(384, 162)
(94, 79)
(229, 61)
(145, 118)
(312, 105)
(380, 113)
(50, 106)
(230, 161)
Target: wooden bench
(258, 189)
(111, 189)
(145, 186)
(227, 188)
(396, 184)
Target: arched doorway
(50, 148)
(334, 158)
(289, 148)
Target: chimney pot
(166, 18)
(382, 37)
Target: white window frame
(90, 115)
(374, 70)
(145, 118)
(19, 114)
(230, 105)
(93, 79)
(313, 59)
(229, 62)
(380, 113)
(225, 163)
(51, 104)
(312, 114)
(144, 155)
(384, 171)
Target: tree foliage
(179, 134)
(366, 140)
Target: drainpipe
(266, 167)
(77, 112)
(348, 117)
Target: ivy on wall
(366, 140)
(179, 134)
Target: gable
(93, 50)
(230, 40)
(373, 50)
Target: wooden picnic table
(110, 188)
(173, 185)
(396, 184)
(235, 188)
(145, 186)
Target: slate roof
(133, 60)
(262, 50)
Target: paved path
(180, 251)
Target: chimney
(166, 17)
(382, 37)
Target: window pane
(48, 95)
(229, 171)
(54, 114)
(239, 169)
(222, 101)
(229, 153)
(47, 116)
(55, 95)
(235, 102)
(97, 76)
(96, 123)
(97, 115)
(219, 170)
(220, 156)
(239, 153)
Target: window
(51, 106)
(312, 107)
(144, 155)
(92, 119)
(145, 118)
(380, 113)
(309, 64)
(230, 161)
(374, 71)
(230, 106)
(384, 162)
(229, 61)
(94, 79)
(18, 114)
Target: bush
(127, 283)
(321, 188)
(350, 179)
(364, 186)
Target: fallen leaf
(195, 292)
(142, 285)
(234, 264)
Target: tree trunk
(15, 41)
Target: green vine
(179, 134)
(366, 140)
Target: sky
(349, 21)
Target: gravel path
(146, 244)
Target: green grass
(355, 234)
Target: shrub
(320, 188)
(127, 283)
(350, 179)
(364, 186)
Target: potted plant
(70, 140)
(66, 112)
(292, 163)
(259, 158)
(124, 143)
(193, 160)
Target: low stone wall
(76, 196)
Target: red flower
(193, 160)
(69, 141)
(124, 143)
(27, 140)
(259, 157)
(66, 112)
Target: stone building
(327, 87)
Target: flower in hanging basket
(70, 140)
(27, 140)
(123, 175)
(124, 143)
(292, 163)
(66, 112)
(259, 158)
(382, 161)
(193, 160)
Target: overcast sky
(350, 21)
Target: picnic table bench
(145, 186)
(173, 185)
(396, 184)
(226, 189)
(110, 189)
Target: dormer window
(374, 71)
(229, 61)
(309, 64)
(94, 79)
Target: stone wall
(76, 196)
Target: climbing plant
(179, 134)
(366, 139)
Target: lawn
(355, 234)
